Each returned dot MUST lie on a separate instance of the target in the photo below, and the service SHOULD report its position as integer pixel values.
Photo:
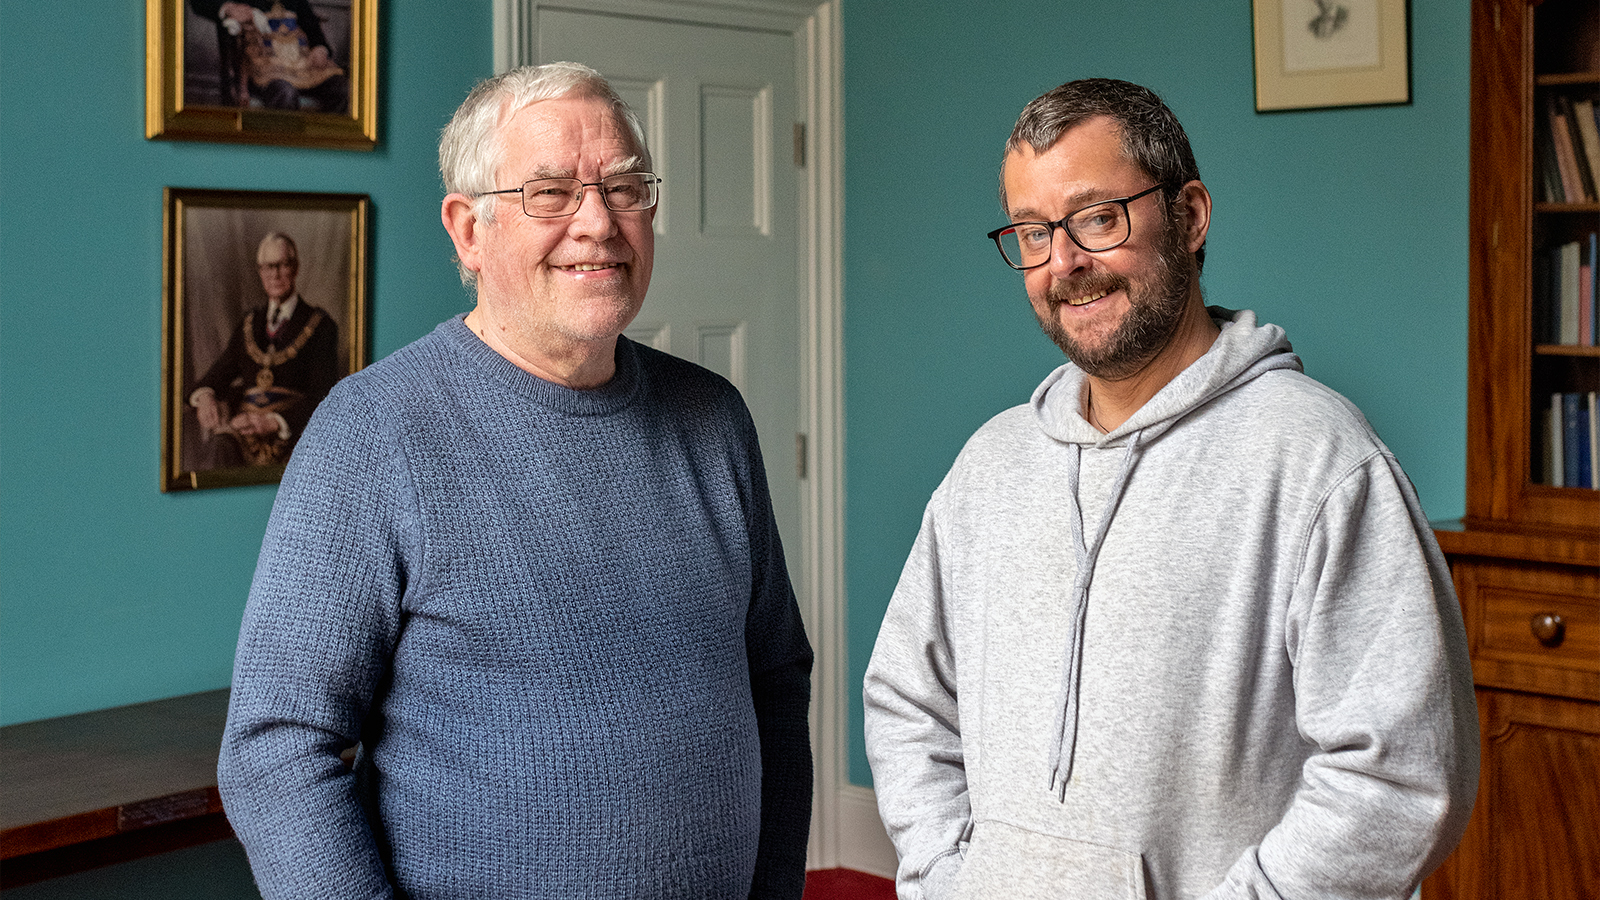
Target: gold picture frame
(1317, 54)
(300, 73)
(225, 253)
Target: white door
(718, 108)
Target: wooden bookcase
(1526, 558)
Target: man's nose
(1066, 257)
(593, 218)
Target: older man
(277, 366)
(1176, 627)
(532, 569)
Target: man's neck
(1110, 402)
(580, 366)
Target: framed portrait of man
(264, 309)
(292, 72)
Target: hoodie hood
(1241, 352)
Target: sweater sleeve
(1383, 691)
(318, 632)
(913, 725)
(780, 660)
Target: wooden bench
(97, 788)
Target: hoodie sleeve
(1383, 689)
(913, 727)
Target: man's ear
(467, 232)
(1195, 202)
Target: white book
(1568, 271)
(1594, 439)
(1556, 474)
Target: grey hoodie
(1214, 653)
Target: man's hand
(210, 412)
(243, 13)
(257, 423)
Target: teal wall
(110, 591)
(1347, 227)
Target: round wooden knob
(1549, 628)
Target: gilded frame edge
(168, 117)
(174, 307)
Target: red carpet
(846, 884)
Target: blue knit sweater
(557, 621)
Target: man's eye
(1099, 219)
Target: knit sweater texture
(1214, 653)
(558, 624)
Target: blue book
(1575, 450)
(1591, 259)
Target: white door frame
(845, 830)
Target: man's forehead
(1085, 163)
(274, 249)
(557, 121)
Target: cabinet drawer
(1509, 606)
(1544, 629)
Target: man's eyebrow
(631, 164)
(1074, 202)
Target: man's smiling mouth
(1087, 298)
(589, 267)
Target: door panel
(725, 291)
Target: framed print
(264, 308)
(1313, 54)
(300, 73)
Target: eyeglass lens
(1096, 228)
(551, 197)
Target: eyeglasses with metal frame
(552, 198)
(1100, 226)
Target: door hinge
(800, 145)
(800, 455)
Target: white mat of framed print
(1315, 54)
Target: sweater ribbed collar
(611, 397)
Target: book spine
(1592, 283)
(1594, 439)
(1583, 114)
(1566, 278)
(1575, 441)
(1551, 188)
(1556, 465)
(1566, 156)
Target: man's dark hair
(1152, 137)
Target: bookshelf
(1526, 557)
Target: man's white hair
(471, 149)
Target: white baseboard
(863, 844)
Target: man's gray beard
(1153, 315)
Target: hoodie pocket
(1005, 862)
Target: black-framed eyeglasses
(1100, 226)
(552, 198)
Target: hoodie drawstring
(1066, 730)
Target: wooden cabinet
(1526, 558)
(1532, 608)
